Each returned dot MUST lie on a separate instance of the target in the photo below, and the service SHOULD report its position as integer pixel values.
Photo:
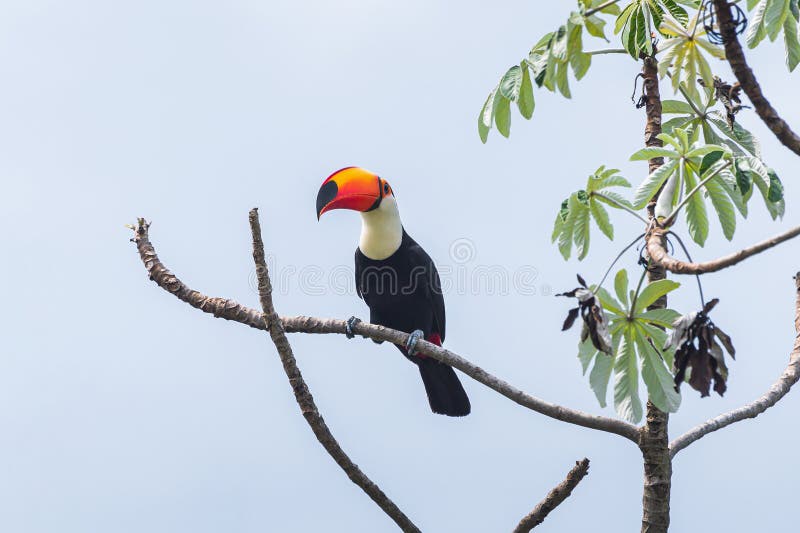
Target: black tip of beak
(326, 194)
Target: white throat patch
(381, 230)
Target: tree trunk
(654, 438)
(654, 444)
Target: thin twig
(779, 389)
(554, 498)
(231, 310)
(748, 81)
(303, 395)
(660, 256)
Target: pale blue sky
(123, 410)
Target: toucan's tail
(445, 393)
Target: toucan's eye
(385, 188)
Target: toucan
(396, 278)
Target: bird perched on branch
(396, 278)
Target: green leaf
(511, 82)
(696, 216)
(610, 197)
(609, 303)
(656, 376)
(586, 352)
(502, 114)
(623, 17)
(756, 30)
(723, 206)
(594, 25)
(621, 286)
(581, 231)
(600, 376)
(526, 102)
(677, 11)
(663, 318)
(775, 191)
(709, 159)
(728, 182)
(651, 152)
(652, 292)
(486, 117)
(601, 218)
(704, 150)
(676, 107)
(626, 380)
(791, 41)
(652, 183)
(776, 13)
(567, 228)
(744, 138)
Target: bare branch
(779, 389)
(748, 81)
(231, 310)
(658, 253)
(303, 395)
(554, 498)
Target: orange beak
(349, 188)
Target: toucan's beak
(349, 188)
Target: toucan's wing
(421, 261)
(359, 268)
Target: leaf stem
(697, 111)
(606, 51)
(671, 218)
(638, 288)
(614, 262)
(620, 205)
(689, 257)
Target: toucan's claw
(411, 344)
(351, 323)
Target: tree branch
(659, 255)
(743, 72)
(231, 310)
(303, 395)
(554, 498)
(779, 389)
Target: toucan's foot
(351, 323)
(376, 341)
(411, 344)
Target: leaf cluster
(637, 334)
(572, 224)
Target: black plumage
(403, 292)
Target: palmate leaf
(547, 65)
(687, 162)
(572, 223)
(633, 336)
(684, 52)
